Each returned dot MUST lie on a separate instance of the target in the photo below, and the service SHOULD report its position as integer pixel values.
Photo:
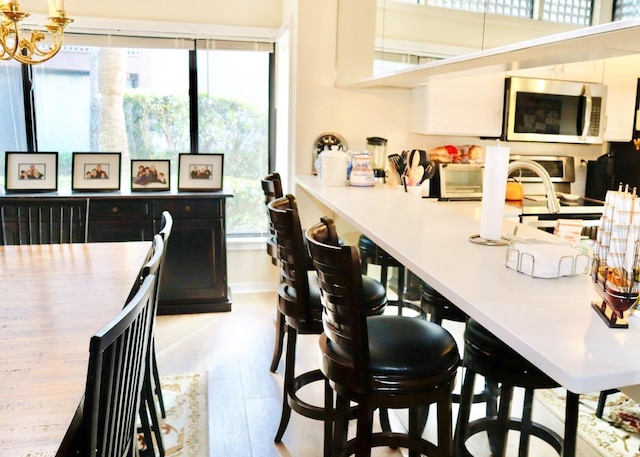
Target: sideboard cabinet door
(194, 278)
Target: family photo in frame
(200, 172)
(31, 172)
(150, 175)
(92, 171)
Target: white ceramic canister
(334, 167)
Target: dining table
(549, 321)
(53, 299)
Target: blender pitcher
(378, 148)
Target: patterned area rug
(185, 430)
(617, 434)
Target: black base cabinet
(195, 272)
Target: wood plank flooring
(234, 349)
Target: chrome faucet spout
(552, 199)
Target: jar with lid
(334, 167)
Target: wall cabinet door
(621, 78)
(590, 71)
(462, 106)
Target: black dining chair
(299, 302)
(166, 228)
(44, 220)
(384, 361)
(115, 376)
(150, 422)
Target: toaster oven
(457, 181)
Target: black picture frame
(150, 175)
(200, 172)
(31, 171)
(96, 171)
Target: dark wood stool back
(379, 361)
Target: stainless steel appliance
(562, 172)
(457, 181)
(553, 111)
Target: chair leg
(445, 432)
(602, 401)
(417, 421)
(289, 375)
(499, 429)
(400, 290)
(466, 395)
(364, 432)
(340, 425)
(571, 424)
(278, 344)
(329, 418)
(158, 387)
(527, 424)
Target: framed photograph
(150, 175)
(31, 171)
(200, 172)
(95, 171)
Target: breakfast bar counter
(550, 322)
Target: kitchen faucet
(552, 199)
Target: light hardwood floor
(234, 349)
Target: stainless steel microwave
(554, 111)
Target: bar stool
(299, 302)
(372, 254)
(379, 361)
(486, 355)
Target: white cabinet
(621, 78)
(589, 72)
(470, 106)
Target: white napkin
(546, 260)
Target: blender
(378, 148)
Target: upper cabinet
(461, 106)
(621, 78)
(590, 71)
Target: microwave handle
(587, 112)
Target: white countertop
(548, 321)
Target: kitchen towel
(494, 190)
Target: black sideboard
(195, 272)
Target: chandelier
(31, 46)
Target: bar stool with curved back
(372, 254)
(114, 380)
(299, 302)
(44, 220)
(486, 355)
(272, 188)
(379, 361)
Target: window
(577, 12)
(132, 95)
(568, 11)
(625, 9)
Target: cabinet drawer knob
(187, 208)
(114, 209)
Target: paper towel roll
(494, 189)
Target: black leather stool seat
(374, 299)
(371, 253)
(486, 355)
(438, 307)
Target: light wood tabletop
(53, 299)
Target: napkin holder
(546, 260)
